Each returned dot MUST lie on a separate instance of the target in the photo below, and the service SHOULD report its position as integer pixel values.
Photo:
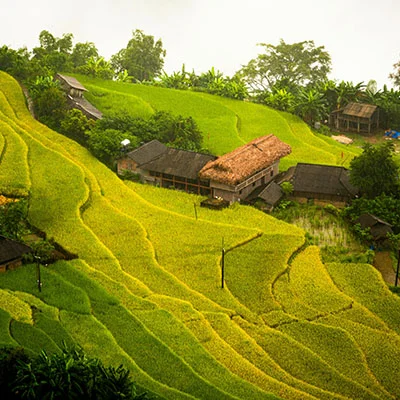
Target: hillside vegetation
(146, 288)
(226, 124)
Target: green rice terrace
(146, 291)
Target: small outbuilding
(75, 93)
(11, 253)
(357, 117)
(378, 227)
(321, 182)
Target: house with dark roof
(163, 166)
(378, 228)
(270, 194)
(11, 253)
(235, 175)
(321, 182)
(75, 94)
(358, 117)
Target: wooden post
(195, 210)
(398, 268)
(39, 282)
(223, 265)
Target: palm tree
(310, 105)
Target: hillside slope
(226, 124)
(146, 288)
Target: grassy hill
(146, 288)
(226, 124)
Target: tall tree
(288, 65)
(375, 172)
(82, 52)
(143, 57)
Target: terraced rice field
(146, 288)
(226, 124)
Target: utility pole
(223, 265)
(39, 282)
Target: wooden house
(357, 117)
(11, 253)
(270, 195)
(321, 182)
(377, 227)
(159, 165)
(75, 94)
(71, 85)
(235, 175)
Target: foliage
(374, 171)
(383, 206)
(287, 188)
(143, 58)
(10, 358)
(287, 65)
(13, 217)
(53, 53)
(76, 125)
(70, 374)
(15, 62)
(51, 107)
(82, 52)
(104, 141)
(97, 67)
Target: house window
(271, 173)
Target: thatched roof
(11, 250)
(155, 156)
(72, 82)
(322, 179)
(245, 161)
(360, 110)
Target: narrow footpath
(384, 264)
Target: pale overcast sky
(362, 36)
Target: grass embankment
(145, 290)
(226, 124)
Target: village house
(357, 117)
(235, 175)
(159, 165)
(11, 253)
(376, 226)
(75, 94)
(321, 182)
(232, 176)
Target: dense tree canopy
(375, 172)
(287, 65)
(143, 57)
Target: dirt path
(384, 264)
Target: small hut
(378, 227)
(11, 253)
(75, 91)
(357, 117)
